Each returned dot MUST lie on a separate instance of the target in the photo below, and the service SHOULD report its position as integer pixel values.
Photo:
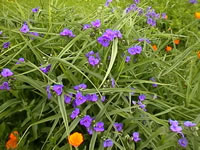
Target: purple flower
(137, 1)
(6, 72)
(134, 102)
(108, 143)
(93, 61)
(189, 124)
(104, 41)
(142, 106)
(20, 60)
(86, 26)
(46, 69)
(128, 58)
(86, 121)
(48, 92)
(108, 2)
(164, 15)
(67, 32)
(154, 80)
(99, 127)
(34, 10)
(90, 53)
(142, 97)
(92, 97)
(1, 32)
(135, 50)
(175, 128)
(58, 88)
(24, 28)
(75, 113)
(90, 131)
(80, 86)
(68, 98)
(34, 33)
(136, 137)
(183, 142)
(118, 126)
(79, 99)
(131, 7)
(6, 44)
(5, 86)
(96, 23)
(173, 122)
(193, 1)
(112, 82)
(103, 98)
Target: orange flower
(154, 47)
(177, 41)
(197, 15)
(166, 17)
(12, 142)
(75, 139)
(198, 54)
(13, 135)
(168, 48)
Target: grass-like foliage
(132, 87)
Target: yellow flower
(75, 139)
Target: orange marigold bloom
(168, 48)
(197, 15)
(154, 47)
(75, 139)
(177, 41)
(198, 54)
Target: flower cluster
(174, 127)
(152, 16)
(141, 98)
(108, 36)
(134, 8)
(93, 58)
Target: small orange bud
(197, 15)
(154, 47)
(177, 41)
(168, 48)
(166, 17)
(75, 139)
(198, 54)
